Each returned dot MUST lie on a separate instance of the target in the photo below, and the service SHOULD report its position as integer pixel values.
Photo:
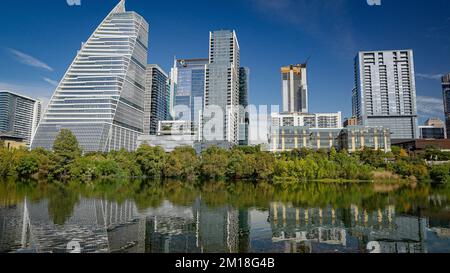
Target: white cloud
(436, 77)
(430, 106)
(29, 60)
(51, 82)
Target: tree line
(67, 162)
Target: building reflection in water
(104, 226)
(303, 230)
(196, 229)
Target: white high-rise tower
(222, 85)
(101, 97)
(385, 91)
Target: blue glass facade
(244, 119)
(157, 99)
(189, 90)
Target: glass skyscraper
(385, 92)
(188, 77)
(101, 97)
(295, 89)
(446, 93)
(157, 98)
(19, 115)
(222, 86)
(244, 118)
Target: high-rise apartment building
(385, 92)
(156, 99)
(101, 96)
(19, 115)
(318, 120)
(188, 88)
(244, 118)
(222, 88)
(295, 88)
(446, 94)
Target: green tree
(264, 165)
(26, 166)
(214, 163)
(182, 163)
(333, 154)
(151, 160)
(127, 163)
(241, 165)
(66, 145)
(43, 157)
(440, 173)
(5, 162)
(65, 150)
(83, 169)
(107, 168)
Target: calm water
(177, 217)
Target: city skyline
(41, 68)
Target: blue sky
(39, 40)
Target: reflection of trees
(9, 196)
(61, 204)
(242, 195)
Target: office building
(385, 92)
(156, 98)
(431, 132)
(244, 117)
(171, 135)
(188, 88)
(288, 138)
(101, 96)
(352, 138)
(222, 89)
(318, 120)
(292, 136)
(446, 95)
(291, 131)
(433, 128)
(19, 115)
(357, 138)
(295, 88)
(353, 121)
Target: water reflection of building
(303, 229)
(171, 229)
(218, 228)
(34, 226)
(10, 220)
(104, 226)
(191, 229)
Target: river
(239, 217)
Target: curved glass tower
(101, 97)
